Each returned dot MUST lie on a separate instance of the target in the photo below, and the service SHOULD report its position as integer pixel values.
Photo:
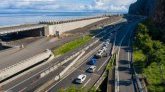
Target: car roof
(80, 76)
(101, 50)
(93, 57)
(92, 66)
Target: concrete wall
(33, 30)
(51, 29)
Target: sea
(11, 19)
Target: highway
(68, 80)
(32, 78)
(38, 47)
(122, 46)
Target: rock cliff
(155, 9)
(143, 7)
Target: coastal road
(124, 76)
(31, 78)
(30, 81)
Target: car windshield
(90, 68)
(78, 79)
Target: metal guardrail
(138, 82)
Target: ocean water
(8, 19)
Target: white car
(107, 42)
(100, 53)
(104, 48)
(105, 45)
(81, 78)
(91, 69)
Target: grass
(110, 63)
(71, 45)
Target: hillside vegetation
(149, 56)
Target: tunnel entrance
(23, 34)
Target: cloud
(112, 5)
(67, 5)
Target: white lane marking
(22, 89)
(128, 53)
(103, 64)
(86, 83)
(129, 60)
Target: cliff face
(143, 7)
(155, 9)
(159, 15)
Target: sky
(64, 5)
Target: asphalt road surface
(125, 81)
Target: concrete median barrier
(10, 71)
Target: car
(107, 42)
(105, 45)
(93, 61)
(91, 69)
(104, 49)
(100, 53)
(81, 78)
